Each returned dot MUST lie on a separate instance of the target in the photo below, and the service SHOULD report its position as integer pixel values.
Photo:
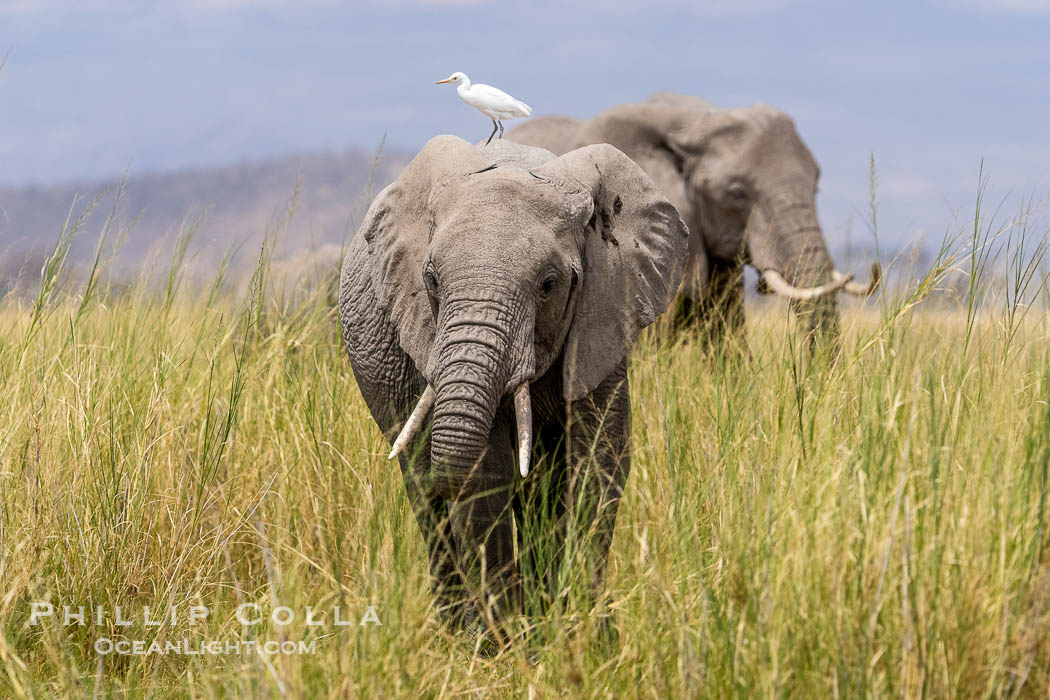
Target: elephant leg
(599, 462)
(539, 512)
(432, 515)
(687, 312)
(484, 533)
(721, 312)
(483, 528)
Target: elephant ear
(648, 133)
(632, 250)
(662, 134)
(398, 227)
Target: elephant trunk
(820, 316)
(482, 355)
(786, 245)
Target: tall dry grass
(874, 525)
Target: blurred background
(233, 108)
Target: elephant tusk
(414, 422)
(858, 289)
(523, 417)
(784, 288)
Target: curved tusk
(784, 288)
(523, 417)
(414, 422)
(858, 289)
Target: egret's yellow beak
(446, 80)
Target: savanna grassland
(792, 526)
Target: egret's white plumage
(492, 102)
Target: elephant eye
(430, 278)
(738, 192)
(550, 281)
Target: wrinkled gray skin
(743, 181)
(474, 279)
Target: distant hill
(239, 202)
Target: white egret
(492, 102)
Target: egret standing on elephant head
(492, 102)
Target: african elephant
(497, 290)
(745, 184)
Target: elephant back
(556, 133)
(680, 101)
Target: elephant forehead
(762, 138)
(500, 198)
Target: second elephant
(745, 184)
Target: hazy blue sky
(929, 86)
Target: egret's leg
(501, 129)
(494, 127)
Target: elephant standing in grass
(489, 298)
(745, 184)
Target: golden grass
(872, 526)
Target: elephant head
(496, 265)
(745, 184)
